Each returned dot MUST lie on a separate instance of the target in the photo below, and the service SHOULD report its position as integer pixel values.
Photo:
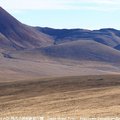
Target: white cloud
(61, 4)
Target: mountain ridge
(58, 43)
(107, 36)
(15, 35)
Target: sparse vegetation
(65, 96)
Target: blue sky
(87, 14)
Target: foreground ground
(94, 96)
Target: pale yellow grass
(90, 96)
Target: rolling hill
(83, 50)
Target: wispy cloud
(61, 4)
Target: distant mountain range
(74, 44)
(109, 37)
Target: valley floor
(88, 96)
(27, 67)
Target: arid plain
(86, 96)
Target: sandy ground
(88, 96)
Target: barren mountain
(83, 50)
(15, 35)
(76, 50)
(40, 52)
(110, 37)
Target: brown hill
(108, 36)
(82, 50)
(15, 35)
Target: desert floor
(89, 96)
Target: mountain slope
(15, 35)
(82, 50)
(77, 50)
(117, 47)
(110, 37)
